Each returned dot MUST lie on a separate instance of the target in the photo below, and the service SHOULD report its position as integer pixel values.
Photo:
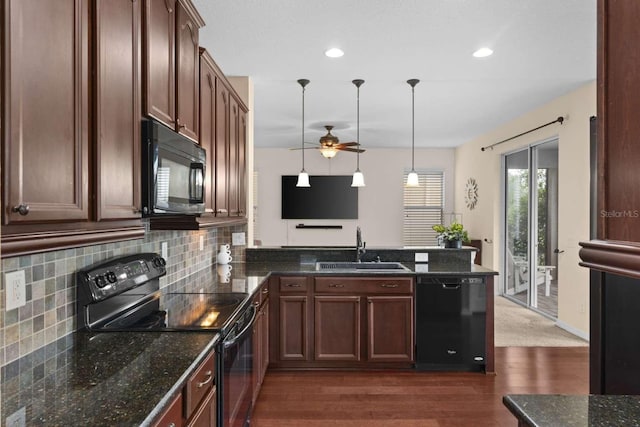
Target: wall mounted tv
(329, 197)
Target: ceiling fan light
(412, 179)
(303, 179)
(328, 152)
(334, 52)
(358, 179)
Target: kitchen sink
(356, 266)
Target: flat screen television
(329, 197)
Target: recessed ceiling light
(334, 52)
(482, 52)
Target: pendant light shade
(358, 177)
(303, 176)
(412, 178)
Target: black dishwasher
(450, 323)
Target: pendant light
(358, 177)
(412, 178)
(303, 176)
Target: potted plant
(453, 235)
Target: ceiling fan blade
(305, 148)
(346, 144)
(353, 150)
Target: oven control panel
(119, 275)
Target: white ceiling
(543, 49)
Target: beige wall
(573, 209)
(380, 202)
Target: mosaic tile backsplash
(49, 313)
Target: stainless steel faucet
(360, 245)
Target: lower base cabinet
(342, 322)
(195, 406)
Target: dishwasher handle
(451, 286)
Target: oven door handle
(247, 329)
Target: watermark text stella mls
(630, 213)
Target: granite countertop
(539, 410)
(129, 378)
(261, 269)
(105, 379)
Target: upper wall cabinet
(45, 111)
(171, 64)
(117, 108)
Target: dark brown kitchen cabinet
(171, 64)
(199, 394)
(353, 322)
(260, 340)
(223, 103)
(232, 164)
(159, 60)
(291, 326)
(337, 328)
(117, 70)
(45, 111)
(242, 163)
(208, 77)
(172, 416)
(390, 328)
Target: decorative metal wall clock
(471, 193)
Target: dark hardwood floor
(408, 399)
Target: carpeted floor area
(516, 326)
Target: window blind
(423, 207)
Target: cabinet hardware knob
(388, 285)
(336, 285)
(221, 211)
(172, 425)
(180, 125)
(293, 285)
(256, 304)
(265, 291)
(209, 375)
(22, 209)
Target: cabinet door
(187, 69)
(264, 362)
(46, 110)
(208, 126)
(172, 416)
(242, 164)
(294, 340)
(390, 329)
(337, 328)
(232, 164)
(221, 148)
(117, 108)
(159, 60)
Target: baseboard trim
(577, 332)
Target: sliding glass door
(531, 227)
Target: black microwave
(173, 171)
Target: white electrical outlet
(165, 250)
(238, 239)
(16, 289)
(422, 257)
(202, 243)
(18, 418)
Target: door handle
(557, 251)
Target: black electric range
(123, 294)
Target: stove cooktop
(123, 295)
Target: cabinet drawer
(199, 385)
(261, 294)
(361, 285)
(172, 416)
(293, 284)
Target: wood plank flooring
(425, 399)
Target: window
(423, 206)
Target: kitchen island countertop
(540, 410)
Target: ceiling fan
(329, 145)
